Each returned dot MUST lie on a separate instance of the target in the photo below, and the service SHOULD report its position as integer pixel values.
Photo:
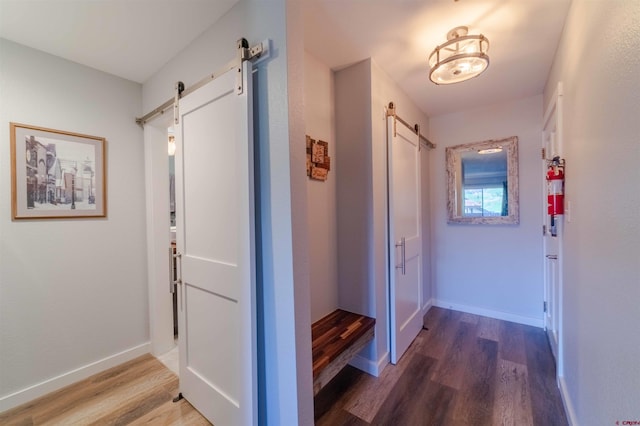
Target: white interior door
(551, 260)
(405, 237)
(552, 231)
(215, 237)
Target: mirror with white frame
(482, 182)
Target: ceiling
(400, 36)
(129, 38)
(133, 39)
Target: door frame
(554, 111)
(282, 323)
(159, 271)
(158, 235)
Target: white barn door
(405, 237)
(215, 237)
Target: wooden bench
(336, 339)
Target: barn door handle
(172, 282)
(552, 256)
(403, 264)
(172, 268)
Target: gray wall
(601, 245)
(492, 270)
(73, 293)
(319, 107)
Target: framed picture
(318, 160)
(56, 174)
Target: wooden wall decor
(318, 160)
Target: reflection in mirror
(484, 183)
(482, 180)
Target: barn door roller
(244, 53)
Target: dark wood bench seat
(336, 338)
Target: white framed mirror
(482, 182)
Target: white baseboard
(427, 306)
(369, 366)
(505, 316)
(566, 401)
(40, 389)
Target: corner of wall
(64, 315)
(369, 366)
(567, 403)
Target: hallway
(464, 370)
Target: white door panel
(405, 237)
(210, 163)
(215, 237)
(552, 244)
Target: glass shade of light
(459, 59)
(171, 148)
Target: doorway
(157, 173)
(553, 229)
(158, 236)
(214, 244)
(171, 358)
(171, 151)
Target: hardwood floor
(139, 392)
(463, 370)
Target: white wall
(354, 202)
(321, 196)
(601, 382)
(73, 296)
(357, 291)
(487, 269)
(299, 231)
(362, 92)
(285, 381)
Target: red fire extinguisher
(555, 190)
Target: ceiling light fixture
(460, 58)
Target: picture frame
(318, 160)
(56, 174)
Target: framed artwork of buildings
(56, 174)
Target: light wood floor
(139, 392)
(463, 370)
